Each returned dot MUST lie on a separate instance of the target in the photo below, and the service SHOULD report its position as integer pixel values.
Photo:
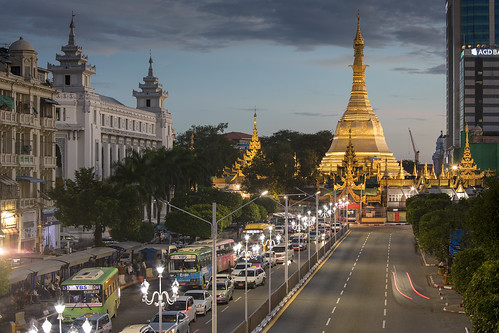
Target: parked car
(280, 253)
(100, 323)
(279, 229)
(171, 321)
(254, 275)
(202, 300)
(299, 243)
(258, 261)
(185, 304)
(240, 266)
(225, 290)
(320, 236)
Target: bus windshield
(183, 263)
(92, 296)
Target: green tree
(87, 202)
(464, 266)
(481, 298)
(484, 218)
(420, 204)
(4, 276)
(270, 205)
(212, 149)
(180, 222)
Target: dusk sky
(220, 59)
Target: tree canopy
(288, 159)
(92, 203)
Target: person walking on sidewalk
(129, 271)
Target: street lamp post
(270, 243)
(247, 255)
(307, 223)
(59, 308)
(214, 231)
(160, 294)
(317, 224)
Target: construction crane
(416, 152)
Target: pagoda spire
(71, 40)
(150, 72)
(360, 120)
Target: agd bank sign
(485, 52)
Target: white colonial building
(95, 130)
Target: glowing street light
(47, 326)
(270, 243)
(59, 308)
(160, 295)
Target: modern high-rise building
(472, 81)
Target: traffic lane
(359, 307)
(406, 266)
(231, 315)
(311, 309)
(132, 310)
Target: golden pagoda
(360, 120)
(233, 176)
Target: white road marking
(334, 309)
(328, 320)
(238, 299)
(338, 300)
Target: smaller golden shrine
(233, 176)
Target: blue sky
(219, 59)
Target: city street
(373, 282)
(134, 311)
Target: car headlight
(199, 305)
(171, 330)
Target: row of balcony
(28, 120)
(21, 204)
(15, 160)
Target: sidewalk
(39, 311)
(452, 299)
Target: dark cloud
(439, 69)
(204, 25)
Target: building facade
(94, 131)
(27, 151)
(472, 81)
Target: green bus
(93, 289)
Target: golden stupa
(361, 123)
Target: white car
(184, 304)
(280, 253)
(240, 267)
(255, 275)
(202, 300)
(171, 321)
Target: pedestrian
(36, 298)
(143, 268)
(130, 272)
